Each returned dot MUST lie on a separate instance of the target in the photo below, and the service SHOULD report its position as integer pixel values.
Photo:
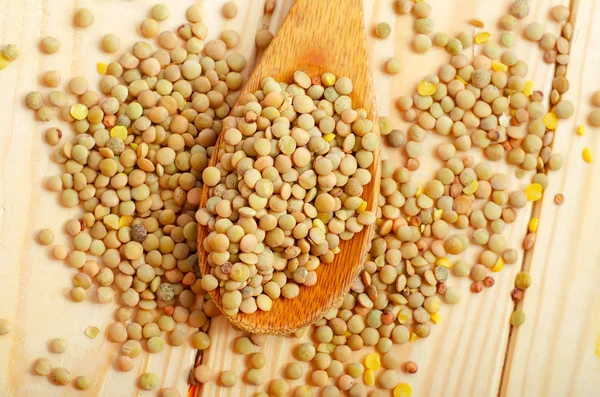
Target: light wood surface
(472, 352)
(313, 38)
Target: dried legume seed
(263, 39)
(49, 45)
(203, 373)
(60, 376)
(148, 381)
(383, 30)
(560, 13)
(5, 326)
(43, 367)
(83, 382)
(10, 52)
(111, 43)
(228, 378)
(517, 318)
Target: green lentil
(49, 45)
(10, 52)
(355, 370)
(42, 367)
(60, 376)
(46, 237)
(228, 378)
(83, 18)
(519, 9)
(203, 373)
(383, 30)
(534, 31)
(422, 43)
(255, 377)
(263, 39)
(523, 280)
(160, 12)
(393, 66)
(517, 318)
(244, 346)
(148, 381)
(83, 382)
(258, 360)
(155, 344)
(111, 43)
(293, 371)
(278, 388)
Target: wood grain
(316, 37)
(464, 356)
(552, 354)
(34, 287)
(557, 351)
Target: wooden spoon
(317, 36)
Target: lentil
(50, 45)
(83, 18)
(148, 381)
(42, 367)
(60, 376)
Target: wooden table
(472, 352)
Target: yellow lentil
(362, 207)
(329, 137)
(498, 265)
(426, 88)
(581, 130)
(533, 225)
(118, 132)
(3, 62)
(444, 262)
(435, 317)
(533, 192)
(91, 332)
(402, 390)
(125, 221)
(373, 361)
(79, 111)
(101, 67)
(528, 89)
(471, 187)
(587, 155)
(482, 37)
(402, 317)
(369, 377)
(319, 224)
(413, 337)
(499, 66)
(461, 79)
(550, 120)
(112, 221)
(476, 22)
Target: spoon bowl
(317, 36)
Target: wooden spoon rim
(314, 62)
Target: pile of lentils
(291, 175)
(134, 166)
(286, 189)
(8, 54)
(483, 103)
(423, 231)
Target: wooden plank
(464, 356)
(33, 287)
(465, 353)
(557, 351)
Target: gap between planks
(535, 213)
